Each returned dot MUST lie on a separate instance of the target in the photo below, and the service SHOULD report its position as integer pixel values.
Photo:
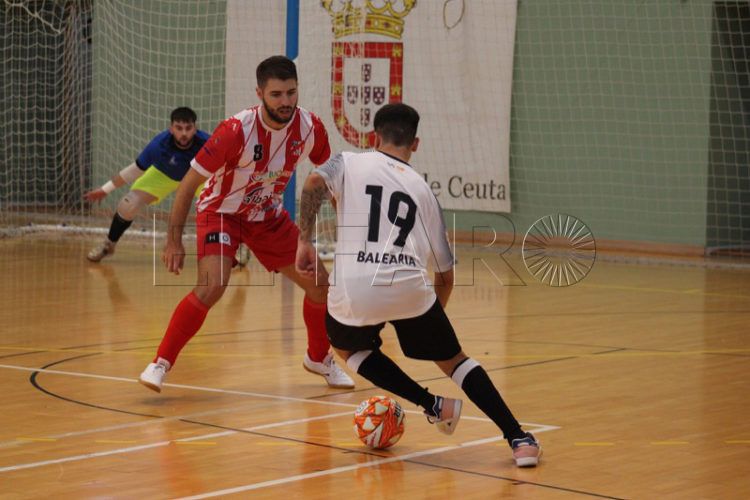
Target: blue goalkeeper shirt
(163, 154)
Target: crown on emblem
(382, 17)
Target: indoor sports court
(591, 159)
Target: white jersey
(389, 229)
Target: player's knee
(209, 293)
(355, 359)
(342, 353)
(129, 206)
(449, 365)
(317, 294)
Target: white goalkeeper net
(86, 84)
(632, 116)
(45, 109)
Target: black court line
(575, 344)
(613, 349)
(411, 461)
(733, 354)
(444, 377)
(533, 342)
(548, 342)
(33, 380)
(588, 313)
(320, 396)
(21, 354)
(158, 339)
(521, 365)
(280, 330)
(207, 343)
(488, 370)
(519, 481)
(285, 438)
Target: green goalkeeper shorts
(157, 184)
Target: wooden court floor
(635, 380)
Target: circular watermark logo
(559, 250)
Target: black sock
(383, 372)
(119, 225)
(475, 382)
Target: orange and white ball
(379, 422)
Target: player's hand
(306, 259)
(95, 195)
(173, 256)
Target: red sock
(187, 319)
(317, 337)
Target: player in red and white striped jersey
(246, 165)
(249, 164)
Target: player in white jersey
(246, 164)
(389, 230)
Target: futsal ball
(379, 422)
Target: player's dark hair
(397, 124)
(183, 114)
(278, 67)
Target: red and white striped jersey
(249, 164)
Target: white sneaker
(242, 255)
(329, 370)
(447, 413)
(104, 249)
(526, 451)
(153, 376)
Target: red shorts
(273, 242)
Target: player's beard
(185, 145)
(273, 113)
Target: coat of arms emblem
(365, 74)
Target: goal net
(86, 85)
(631, 116)
(45, 109)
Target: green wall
(610, 117)
(610, 108)
(151, 56)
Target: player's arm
(313, 193)
(321, 152)
(127, 175)
(442, 257)
(174, 253)
(443, 286)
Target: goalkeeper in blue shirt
(154, 175)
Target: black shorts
(429, 336)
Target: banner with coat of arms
(451, 60)
(364, 77)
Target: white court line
(346, 468)
(150, 421)
(159, 444)
(180, 386)
(541, 428)
(211, 389)
(119, 451)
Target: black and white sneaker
(445, 414)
